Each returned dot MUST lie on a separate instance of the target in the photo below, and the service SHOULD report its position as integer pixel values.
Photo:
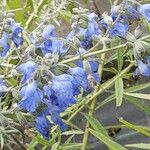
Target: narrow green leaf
(109, 142)
(66, 15)
(71, 146)
(69, 139)
(42, 141)
(137, 87)
(119, 91)
(119, 59)
(139, 145)
(2, 141)
(32, 144)
(147, 25)
(112, 70)
(134, 127)
(55, 146)
(71, 124)
(131, 89)
(44, 148)
(34, 2)
(130, 37)
(95, 124)
(107, 100)
(138, 103)
(72, 132)
(146, 45)
(139, 95)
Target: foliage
(47, 80)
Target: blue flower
(31, 95)
(47, 47)
(61, 92)
(96, 77)
(103, 24)
(52, 45)
(49, 31)
(145, 11)
(54, 112)
(27, 69)
(3, 87)
(4, 45)
(57, 120)
(17, 34)
(67, 77)
(42, 124)
(85, 35)
(93, 64)
(143, 67)
(130, 13)
(93, 28)
(119, 29)
(147, 58)
(82, 35)
(80, 76)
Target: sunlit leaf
(139, 95)
(134, 127)
(95, 124)
(55, 146)
(138, 103)
(119, 91)
(72, 132)
(139, 145)
(108, 141)
(71, 146)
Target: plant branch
(85, 55)
(103, 87)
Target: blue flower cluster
(86, 33)
(14, 35)
(50, 42)
(57, 96)
(3, 87)
(122, 15)
(143, 67)
(145, 11)
(55, 93)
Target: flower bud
(83, 23)
(138, 31)
(76, 10)
(15, 94)
(14, 72)
(107, 19)
(86, 66)
(10, 15)
(84, 17)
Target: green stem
(91, 111)
(33, 14)
(144, 37)
(93, 53)
(85, 55)
(86, 133)
(124, 126)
